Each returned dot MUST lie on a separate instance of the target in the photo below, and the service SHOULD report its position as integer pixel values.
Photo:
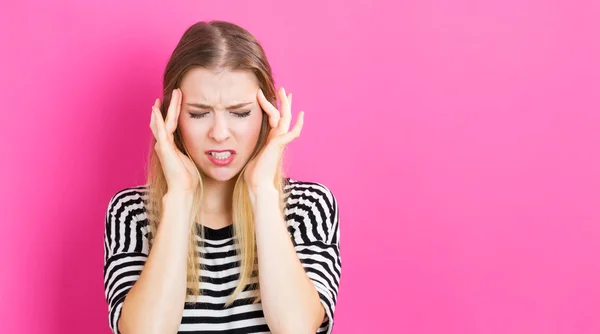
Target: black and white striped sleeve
(313, 222)
(126, 248)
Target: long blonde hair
(216, 45)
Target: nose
(219, 130)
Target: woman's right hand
(180, 171)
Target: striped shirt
(312, 219)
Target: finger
(295, 132)
(176, 118)
(268, 108)
(289, 97)
(153, 118)
(172, 123)
(172, 110)
(286, 113)
(159, 123)
(153, 123)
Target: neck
(218, 196)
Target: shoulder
(129, 200)
(126, 227)
(129, 194)
(310, 191)
(311, 210)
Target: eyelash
(239, 115)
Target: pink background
(461, 139)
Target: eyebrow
(206, 106)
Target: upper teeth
(221, 155)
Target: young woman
(218, 240)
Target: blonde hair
(216, 45)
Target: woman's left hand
(260, 171)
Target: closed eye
(237, 114)
(200, 115)
(242, 114)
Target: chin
(221, 174)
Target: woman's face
(220, 111)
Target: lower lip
(220, 162)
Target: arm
(155, 302)
(298, 280)
(291, 303)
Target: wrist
(182, 197)
(263, 191)
(261, 195)
(177, 209)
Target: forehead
(219, 88)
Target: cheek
(191, 133)
(247, 134)
(256, 124)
